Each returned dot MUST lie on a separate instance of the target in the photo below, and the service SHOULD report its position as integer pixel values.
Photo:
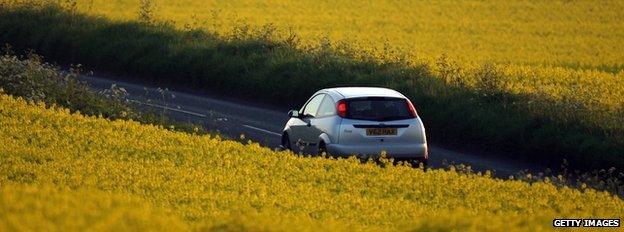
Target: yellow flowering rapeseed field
(566, 33)
(68, 171)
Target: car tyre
(286, 142)
(322, 148)
(416, 162)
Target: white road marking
(263, 130)
(172, 109)
(203, 116)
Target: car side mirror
(293, 113)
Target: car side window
(312, 107)
(327, 107)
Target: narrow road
(264, 125)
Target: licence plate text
(381, 131)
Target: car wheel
(322, 148)
(286, 142)
(416, 162)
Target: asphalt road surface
(264, 124)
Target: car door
(300, 128)
(320, 123)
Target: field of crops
(68, 171)
(536, 79)
(563, 33)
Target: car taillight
(342, 108)
(411, 108)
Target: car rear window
(378, 109)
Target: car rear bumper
(402, 151)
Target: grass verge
(37, 81)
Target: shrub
(37, 81)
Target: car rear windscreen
(378, 109)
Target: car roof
(354, 92)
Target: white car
(361, 121)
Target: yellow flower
(74, 172)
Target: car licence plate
(381, 131)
